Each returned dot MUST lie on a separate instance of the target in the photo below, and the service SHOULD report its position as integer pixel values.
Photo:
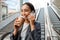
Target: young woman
(25, 27)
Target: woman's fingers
(19, 21)
(31, 17)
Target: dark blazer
(34, 35)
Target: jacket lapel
(27, 33)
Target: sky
(25, 1)
(13, 4)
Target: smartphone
(32, 13)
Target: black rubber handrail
(56, 30)
(4, 35)
(56, 14)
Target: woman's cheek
(21, 13)
(27, 13)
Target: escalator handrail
(4, 35)
(56, 31)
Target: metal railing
(50, 34)
(56, 9)
(37, 13)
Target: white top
(24, 30)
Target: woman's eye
(26, 10)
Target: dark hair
(30, 6)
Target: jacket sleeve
(36, 34)
(12, 37)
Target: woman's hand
(31, 18)
(17, 24)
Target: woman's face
(25, 11)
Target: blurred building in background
(3, 10)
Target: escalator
(6, 30)
(54, 19)
(41, 20)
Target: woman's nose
(24, 14)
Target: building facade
(3, 10)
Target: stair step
(56, 25)
(55, 21)
(58, 28)
(42, 27)
(43, 39)
(42, 33)
(42, 30)
(42, 36)
(42, 24)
